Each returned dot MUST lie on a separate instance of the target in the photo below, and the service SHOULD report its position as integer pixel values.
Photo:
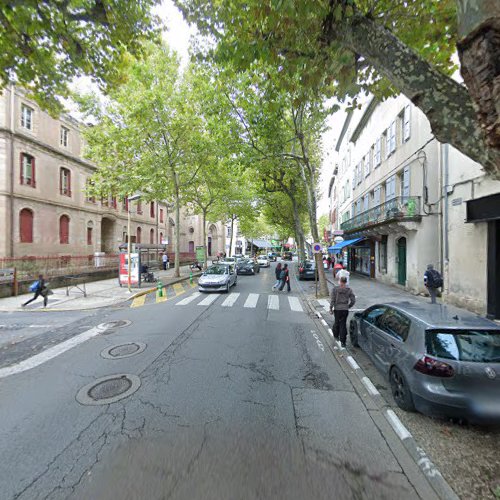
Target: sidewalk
(102, 293)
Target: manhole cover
(119, 323)
(123, 350)
(109, 389)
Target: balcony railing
(399, 208)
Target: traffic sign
(317, 248)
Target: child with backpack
(432, 281)
(39, 288)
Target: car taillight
(431, 366)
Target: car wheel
(400, 390)
(227, 287)
(353, 333)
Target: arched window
(161, 239)
(26, 225)
(138, 238)
(64, 230)
(152, 236)
(65, 181)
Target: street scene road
(238, 398)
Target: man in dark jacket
(432, 281)
(341, 300)
(41, 289)
(285, 278)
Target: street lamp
(129, 199)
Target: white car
(217, 278)
(263, 261)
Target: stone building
(411, 198)
(44, 210)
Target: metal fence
(399, 208)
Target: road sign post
(316, 248)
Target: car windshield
(480, 346)
(216, 270)
(308, 265)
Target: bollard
(159, 288)
(191, 277)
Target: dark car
(273, 256)
(287, 256)
(439, 360)
(245, 266)
(307, 270)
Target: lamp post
(129, 246)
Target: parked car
(287, 256)
(228, 260)
(439, 360)
(307, 270)
(273, 256)
(246, 266)
(216, 278)
(263, 261)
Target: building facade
(411, 198)
(44, 209)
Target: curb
(434, 477)
(153, 289)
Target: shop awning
(261, 243)
(345, 243)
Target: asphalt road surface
(236, 396)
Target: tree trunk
(177, 271)
(205, 241)
(479, 53)
(298, 227)
(232, 235)
(444, 101)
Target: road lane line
(398, 427)
(273, 302)
(295, 304)
(178, 288)
(330, 331)
(352, 362)
(51, 353)
(138, 301)
(251, 300)
(324, 323)
(369, 386)
(208, 300)
(229, 302)
(189, 299)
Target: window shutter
(390, 188)
(387, 143)
(376, 196)
(393, 136)
(366, 203)
(26, 226)
(406, 123)
(64, 230)
(406, 182)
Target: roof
(262, 243)
(374, 102)
(443, 315)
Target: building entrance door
(402, 261)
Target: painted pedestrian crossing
(271, 302)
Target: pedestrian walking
(165, 261)
(341, 300)
(39, 288)
(432, 280)
(277, 272)
(285, 278)
(343, 273)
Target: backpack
(34, 286)
(434, 279)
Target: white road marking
(189, 299)
(295, 304)
(229, 302)
(352, 362)
(273, 302)
(50, 353)
(330, 332)
(318, 314)
(369, 386)
(325, 303)
(208, 300)
(398, 427)
(324, 323)
(251, 300)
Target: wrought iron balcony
(400, 208)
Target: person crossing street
(285, 278)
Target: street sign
(317, 247)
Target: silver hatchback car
(217, 278)
(440, 360)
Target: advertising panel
(200, 254)
(134, 270)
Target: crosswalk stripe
(295, 304)
(139, 301)
(251, 300)
(208, 300)
(178, 288)
(189, 299)
(273, 302)
(229, 302)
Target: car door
(366, 326)
(232, 275)
(390, 331)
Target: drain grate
(119, 323)
(108, 390)
(123, 350)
